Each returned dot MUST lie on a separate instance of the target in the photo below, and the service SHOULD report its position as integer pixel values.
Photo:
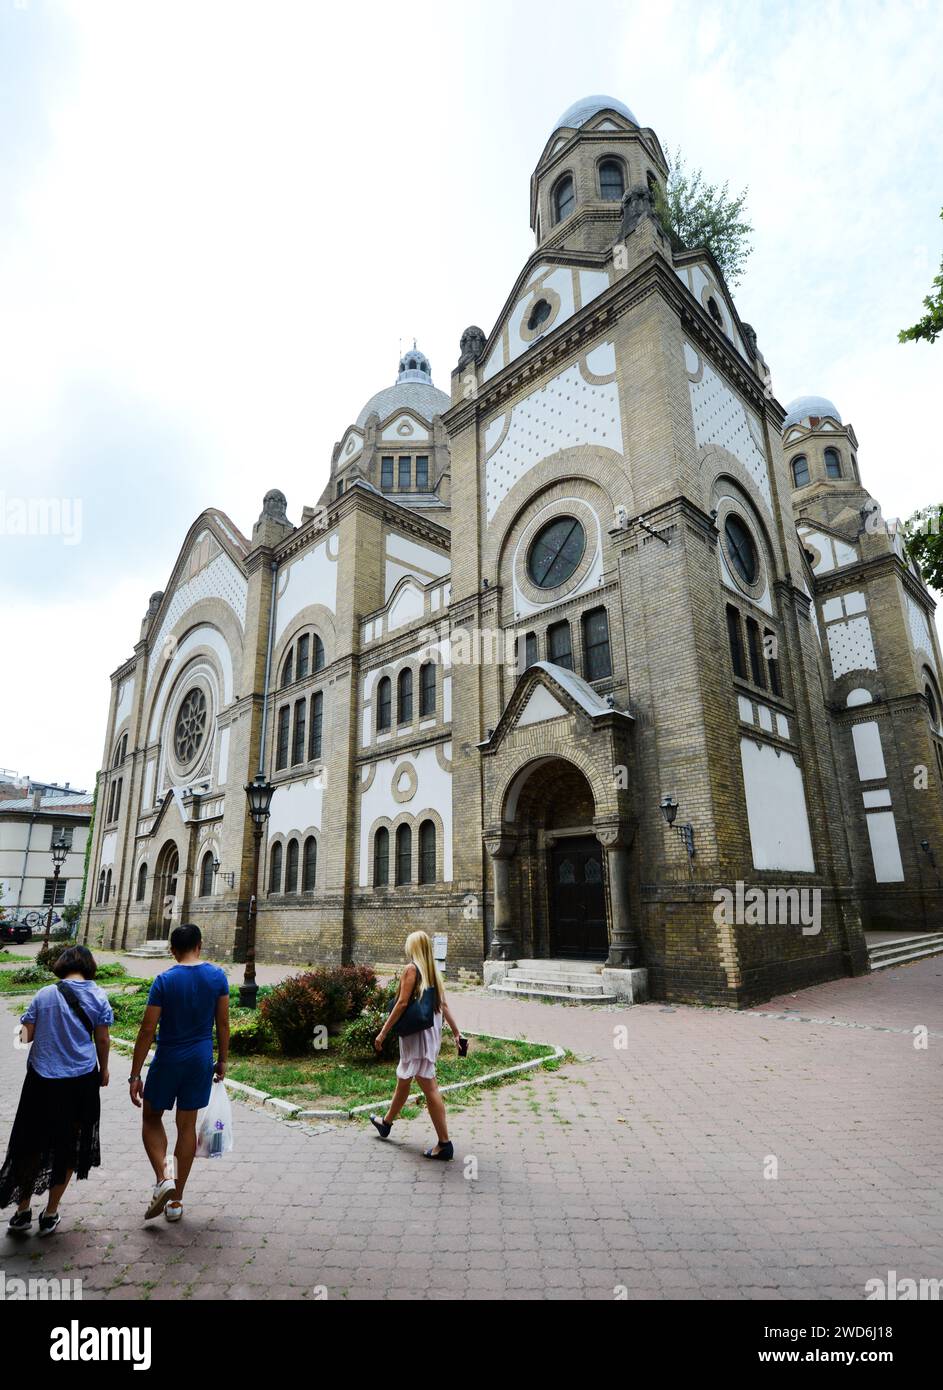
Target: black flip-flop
(446, 1152)
(382, 1128)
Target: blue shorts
(184, 1084)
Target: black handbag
(418, 1015)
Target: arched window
(384, 703)
(932, 707)
(303, 656)
(206, 875)
(318, 654)
(100, 895)
(291, 867)
(108, 885)
(288, 670)
(559, 648)
(404, 854)
(800, 471)
(597, 657)
(298, 738)
(611, 181)
(282, 738)
(381, 857)
(713, 309)
(427, 872)
(404, 696)
(832, 464)
(317, 725)
(564, 198)
(309, 865)
(427, 689)
(121, 752)
(142, 884)
(275, 869)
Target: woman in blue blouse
(55, 1133)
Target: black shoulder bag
(71, 999)
(418, 1015)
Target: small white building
(30, 823)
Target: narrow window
(304, 648)
(317, 725)
(309, 867)
(558, 644)
(404, 854)
(100, 895)
(832, 464)
(59, 887)
(318, 654)
(405, 473)
(597, 658)
(291, 867)
(288, 670)
(404, 696)
(757, 673)
(275, 869)
(298, 744)
(381, 857)
(611, 182)
(800, 471)
(531, 654)
(111, 802)
(564, 198)
(771, 652)
(735, 637)
(340, 488)
(422, 473)
(427, 852)
(427, 689)
(386, 473)
(281, 747)
(206, 875)
(384, 703)
(142, 884)
(108, 886)
(118, 798)
(714, 310)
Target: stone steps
(150, 950)
(571, 982)
(905, 949)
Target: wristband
(134, 1078)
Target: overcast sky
(219, 221)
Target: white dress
(418, 1051)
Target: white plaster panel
(408, 605)
(721, 418)
(776, 808)
(219, 579)
(433, 793)
(858, 697)
(310, 579)
(421, 559)
(447, 699)
(568, 411)
(540, 706)
(352, 446)
(850, 646)
(876, 798)
(148, 792)
(782, 726)
(405, 429)
(885, 847)
(125, 698)
(200, 637)
(561, 282)
(920, 630)
(868, 751)
(223, 771)
(296, 806)
(831, 609)
(592, 285)
(495, 362)
(766, 718)
(745, 707)
(854, 603)
(109, 846)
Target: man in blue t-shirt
(183, 1005)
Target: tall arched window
(381, 857)
(275, 869)
(404, 696)
(427, 689)
(100, 895)
(317, 725)
(142, 884)
(288, 670)
(108, 885)
(611, 181)
(303, 656)
(384, 703)
(404, 854)
(206, 875)
(318, 654)
(564, 198)
(291, 867)
(309, 865)
(121, 751)
(832, 463)
(427, 872)
(800, 470)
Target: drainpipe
(268, 667)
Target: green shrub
(344, 988)
(357, 1038)
(250, 1036)
(111, 972)
(47, 956)
(293, 1010)
(32, 975)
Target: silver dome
(412, 390)
(803, 407)
(581, 111)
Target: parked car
(11, 930)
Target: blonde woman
(418, 1051)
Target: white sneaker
(163, 1191)
(173, 1211)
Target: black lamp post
(669, 809)
(59, 851)
(259, 793)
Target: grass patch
(11, 958)
(106, 978)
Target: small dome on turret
(581, 111)
(412, 390)
(804, 408)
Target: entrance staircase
(887, 950)
(150, 950)
(568, 981)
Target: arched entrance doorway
(164, 907)
(560, 863)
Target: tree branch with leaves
(697, 213)
(929, 328)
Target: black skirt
(55, 1130)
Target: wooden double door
(578, 899)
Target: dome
(803, 407)
(580, 112)
(413, 390)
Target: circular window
(539, 314)
(190, 729)
(556, 552)
(741, 550)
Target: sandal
(446, 1152)
(380, 1125)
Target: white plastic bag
(214, 1124)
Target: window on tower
(611, 181)
(405, 473)
(564, 198)
(800, 471)
(386, 473)
(422, 472)
(832, 464)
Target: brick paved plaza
(641, 1167)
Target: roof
(581, 111)
(55, 803)
(578, 689)
(803, 407)
(413, 390)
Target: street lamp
(59, 851)
(259, 793)
(669, 809)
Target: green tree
(923, 541)
(929, 328)
(697, 213)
